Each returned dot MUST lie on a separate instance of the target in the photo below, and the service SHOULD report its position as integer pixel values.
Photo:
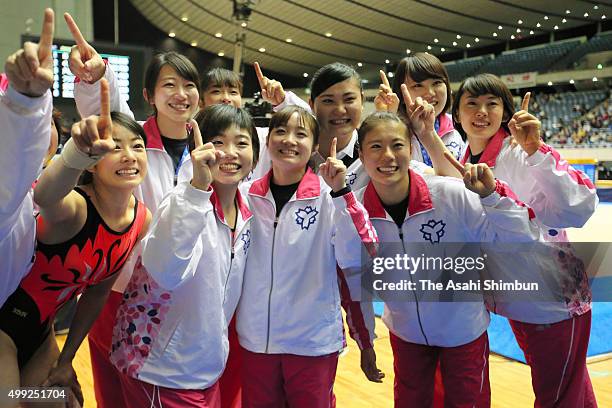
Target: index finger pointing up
(197, 136)
(76, 33)
(406, 95)
(46, 35)
(525, 103)
(383, 78)
(260, 75)
(332, 150)
(104, 100)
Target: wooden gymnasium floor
(510, 380)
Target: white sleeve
(292, 99)
(354, 238)
(264, 163)
(25, 130)
(359, 309)
(87, 96)
(174, 246)
(499, 217)
(353, 231)
(562, 196)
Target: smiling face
(126, 166)
(290, 146)
(238, 159)
(433, 90)
(480, 116)
(338, 110)
(229, 95)
(385, 154)
(175, 98)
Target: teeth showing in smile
(480, 124)
(289, 152)
(229, 167)
(127, 172)
(340, 121)
(389, 169)
(180, 106)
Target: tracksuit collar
(309, 186)
(419, 198)
(490, 153)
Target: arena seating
(538, 59)
(458, 70)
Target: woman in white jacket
(25, 114)
(170, 341)
(553, 331)
(289, 322)
(419, 216)
(171, 90)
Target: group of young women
(230, 293)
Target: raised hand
(368, 366)
(386, 100)
(84, 61)
(203, 156)
(525, 128)
(477, 178)
(420, 113)
(30, 70)
(333, 170)
(94, 135)
(271, 90)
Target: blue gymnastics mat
(502, 340)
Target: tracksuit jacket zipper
(416, 300)
(271, 281)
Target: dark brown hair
(306, 119)
(215, 119)
(376, 119)
(180, 63)
(330, 75)
(123, 120)
(220, 77)
(484, 84)
(420, 67)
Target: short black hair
(215, 119)
(180, 63)
(330, 75)
(220, 77)
(375, 119)
(123, 120)
(306, 119)
(420, 67)
(484, 84)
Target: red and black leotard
(63, 271)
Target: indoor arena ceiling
(298, 36)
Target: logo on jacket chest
(246, 239)
(305, 217)
(351, 178)
(433, 230)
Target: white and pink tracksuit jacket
(561, 197)
(440, 211)
(290, 300)
(24, 137)
(450, 137)
(171, 328)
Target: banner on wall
(523, 80)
